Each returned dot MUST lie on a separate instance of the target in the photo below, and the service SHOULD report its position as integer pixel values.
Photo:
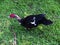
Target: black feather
(40, 19)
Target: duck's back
(26, 22)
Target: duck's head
(12, 15)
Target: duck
(32, 21)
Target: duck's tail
(47, 22)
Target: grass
(41, 35)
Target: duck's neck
(17, 17)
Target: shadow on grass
(1, 1)
(58, 1)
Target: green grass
(42, 35)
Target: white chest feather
(33, 21)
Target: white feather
(33, 21)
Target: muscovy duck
(32, 20)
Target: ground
(41, 35)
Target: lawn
(41, 35)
